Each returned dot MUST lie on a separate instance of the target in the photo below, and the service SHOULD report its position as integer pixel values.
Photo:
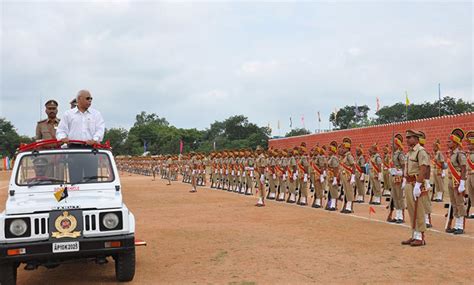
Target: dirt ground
(216, 237)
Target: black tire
(125, 266)
(8, 274)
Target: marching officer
(375, 175)
(439, 172)
(347, 175)
(457, 165)
(397, 202)
(470, 171)
(416, 168)
(360, 174)
(333, 174)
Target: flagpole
(439, 99)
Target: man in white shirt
(82, 122)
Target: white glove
(274, 176)
(380, 176)
(262, 178)
(393, 171)
(461, 187)
(443, 173)
(399, 173)
(243, 174)
(321, 178)
(325, 173)
(353, 179)
(362, 177)
(305, 178)
(427, 184)
(334, 181)
(194, 172)
(284, 177)
(295, 176)
(417, 190)
(233, 173)
(238, 173)
(251, 173)
(215, 171)
(404, 182)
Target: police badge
(66, 224)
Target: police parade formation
(332, 177)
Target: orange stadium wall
(439, 127)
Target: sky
(199, 62)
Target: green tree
(117, 138)
(349, 117)
(10, 140)
(297, 132)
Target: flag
(291, 123)
(319, 117)
(407, 101)
(145, 146)
(214, 145)
(335, 113)
(278, 125)
(378, 103)
(371, 210)
(302, 120)
(61, 194)
(181, 144)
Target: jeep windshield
(64, 168)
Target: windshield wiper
(37, 182)
(89, 178)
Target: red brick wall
(434, 128)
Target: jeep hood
(24, 203)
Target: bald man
(82, 122)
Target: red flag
(378, 104)
(371, 210)
(180, 146)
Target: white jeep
(65, 204)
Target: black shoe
(470, 217)
(332, 209)
(458, 232)
(271, 198)
(450, 231)
(399, 221)
(438, 200)
(316, 206)
(429, 226)
(290, 202)
(376, 203)
(391, 220)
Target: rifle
(449, 217)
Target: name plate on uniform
(59, 247)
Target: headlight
(110, 221)
(18, 227)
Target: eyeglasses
(89, 98)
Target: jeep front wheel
(8, 274)
(125, 266)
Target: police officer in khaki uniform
(303, 171)
(292, 176)
(333, 174)
(386, 173)
(425, 200)
(439, 171)
(398, 182)
(347, 175)
(360, 174)
(260, 165)
(470, 172)
(457, 165)
(46, 129)
(319, 169)
(416, 169)
(375, 175)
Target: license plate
(65, 246)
